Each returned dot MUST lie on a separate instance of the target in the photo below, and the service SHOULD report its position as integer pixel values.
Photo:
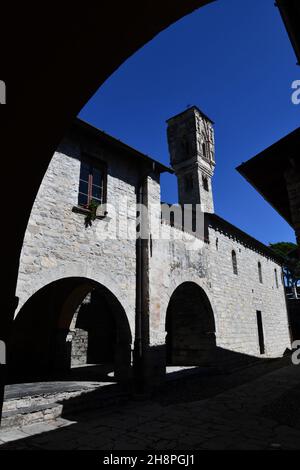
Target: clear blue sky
(232, 59)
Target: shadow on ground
(235, 411)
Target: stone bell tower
(192, 151)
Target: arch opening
(67, 326)
(190, 327)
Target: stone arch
(80, 269)
(177, 279)
(190, 327)
(41, 343)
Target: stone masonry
(59, 246)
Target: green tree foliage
(290, 254)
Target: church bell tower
(192, 151)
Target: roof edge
(260, 245)
(119, 144)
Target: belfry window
(92, 183)
(205, 183)
(234, 262)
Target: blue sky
(234, 61)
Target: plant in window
(92, 214)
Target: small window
(92, 183)
(276, 278)
(205, 183)
(188, 182)
(234, 262)
(204, 149)
(260, 331)
(260, 277)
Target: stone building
(275, 173)
(171, 296)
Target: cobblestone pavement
(260, 414)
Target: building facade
(91, 292)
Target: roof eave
(160, 167)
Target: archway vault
(69, 322)
(190, 327)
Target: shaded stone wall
(79, 347)
(79, 338)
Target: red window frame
(102, 167)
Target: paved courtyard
(261, 413)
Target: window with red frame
(92, 183)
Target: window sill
(84, 211)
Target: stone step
(28, 410)
(30, 415)
(13, 404)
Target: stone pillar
(155, 349)
(123, 372)
(9, 305)
(149, 363)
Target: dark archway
(190, 327)
(70, 323)
(61, 72)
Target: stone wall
(57, 245)
(238, 297)
(234, 298)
